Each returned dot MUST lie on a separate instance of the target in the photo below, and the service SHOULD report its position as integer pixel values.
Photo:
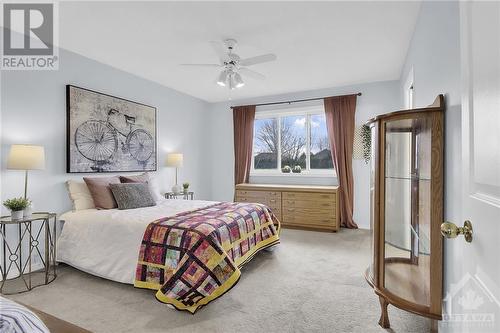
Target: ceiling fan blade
(251, 73)
(202, 65)
(220, 50)
(258, 59)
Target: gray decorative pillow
(132, 195)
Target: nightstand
(182, 195)
(29, 247)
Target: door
(472, 294)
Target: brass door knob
(450, 230)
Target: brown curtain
(243, 119)
(339, 112)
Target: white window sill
(294, 175)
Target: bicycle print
(109, 134)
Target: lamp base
(176, 189)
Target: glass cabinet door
(406, 177)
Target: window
(265, 144)
(291, 138)
(293, 141)
(321, 156)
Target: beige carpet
(313, 282)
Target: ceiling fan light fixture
(231, 64)
(238, 81)
(221, 81)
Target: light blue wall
(434, 54)
(377, 98)
(33, 110)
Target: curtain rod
(296, 101)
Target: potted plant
(16, 206)
(286, 169)
(297, 169)
(185, 186)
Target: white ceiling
(318, 44)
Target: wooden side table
(182, 195)
(21, 254)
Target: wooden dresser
(296, 206)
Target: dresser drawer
(258, 193)
(311, 221)
(309, 216)
(252, 200)
(274, 204)
(250, 194)
(328, 213)
(327, 197)
(318, 204)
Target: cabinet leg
(384, 316)
(434, 326)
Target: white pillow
(154, 187)
(80, 195)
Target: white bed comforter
(106, 242)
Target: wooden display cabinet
(406, 190)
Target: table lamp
(175, 160)
(26, 157)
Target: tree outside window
(265, 144)
(291, 140)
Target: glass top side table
(182, 195)
(28, 258)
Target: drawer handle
(272, 200)
(291, 209)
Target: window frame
(306, 111)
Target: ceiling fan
(233, 66)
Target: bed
(189, 251)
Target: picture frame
(106, 133)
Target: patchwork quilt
(194, 257)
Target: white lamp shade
(174, 160)
(26, 157)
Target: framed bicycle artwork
(108, 134)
